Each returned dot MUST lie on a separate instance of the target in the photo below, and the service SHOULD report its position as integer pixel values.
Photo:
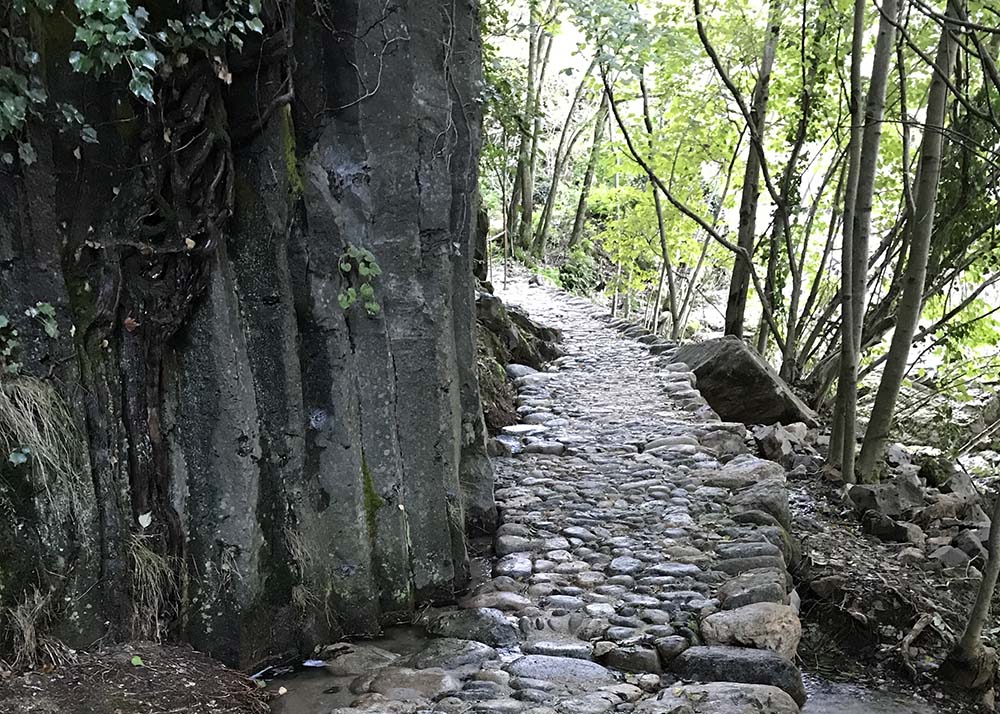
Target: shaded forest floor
(869, 616)
(169, 680)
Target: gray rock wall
(309, 469)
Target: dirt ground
(870, 617)
(163, 680)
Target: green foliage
(112, 38)
(112, 32)
(8, 347)
(359, 270)
(46, 315)
(579, 273)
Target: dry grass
(154, 589)
(32, 648)
(34, 416)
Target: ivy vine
(360, 269)
(8, 347)
(110, 37)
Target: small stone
(560, 648)
(625, 565)
(500, 600)
(507, 544)
(515, 371)
(671, 647)
(515, 565)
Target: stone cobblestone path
(641, 564)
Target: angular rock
(753, 586)
(633, 658)
(720, 698)
(764, 624)
(350, 659)
(740, 664)
(407, 684)
(740, 385)
(950, 557)
(895, 498)
(768, 496)
(485, 625)
(670, 647)
(448, 653)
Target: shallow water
(827, 697)
(313, 691)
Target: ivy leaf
(27, 153)
(145, 58)
(137, 661)
(89, 134)
(142, 87)
(45, 308)
(256, 25)
(18, 457)
(80, 62)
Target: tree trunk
(526, 159)
(970, 664)
(847, 390)
(563, 151)
(739, 283)
(667, 268)
(304, 470)
(919, 229)
(588, 177)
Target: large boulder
(740, 664)
(765, 625)
(740, 385)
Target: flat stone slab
(740, 664)
(566, 670)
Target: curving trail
(641, 547)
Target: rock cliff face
(242, 461)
